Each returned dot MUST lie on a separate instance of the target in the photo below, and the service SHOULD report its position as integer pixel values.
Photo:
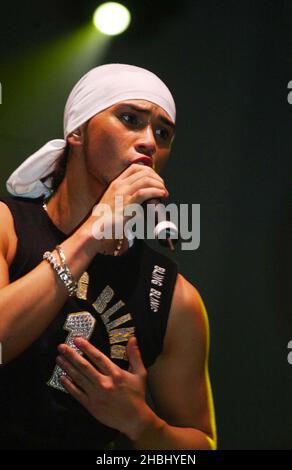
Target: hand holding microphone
(165, 231)
(140, 184)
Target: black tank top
(117, 296)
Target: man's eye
(163, 133)
(129, 118)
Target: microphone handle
(163, 224)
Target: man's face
(117, 136)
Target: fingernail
(78, 340)
(62, 348)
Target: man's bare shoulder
(8, 238)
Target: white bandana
(97, 90)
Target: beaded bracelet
(63, 272)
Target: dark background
(228, 65)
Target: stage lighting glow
(111, 18)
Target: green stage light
(111, 18)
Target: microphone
(165, 231)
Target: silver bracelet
(63, 272)
(65, 265)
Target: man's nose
(146, 143)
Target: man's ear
(75, 138)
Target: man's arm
(29, 304)
(179, 380)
